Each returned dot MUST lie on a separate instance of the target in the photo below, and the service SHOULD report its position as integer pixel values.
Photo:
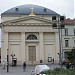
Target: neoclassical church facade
(27, 33)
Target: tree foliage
(71, 55)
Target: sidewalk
(19, 70)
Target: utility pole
(58, 24)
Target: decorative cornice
(30, 30)
(31, 40)
(26, 24)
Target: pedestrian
(32, 73)
(53, 60)
(3, 63)
(24, 66)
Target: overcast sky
(62, 7)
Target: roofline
(26, 14)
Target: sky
(62, 7)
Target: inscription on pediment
(31, 21)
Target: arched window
(31, 37)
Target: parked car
(40, 68)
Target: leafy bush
(58, 71)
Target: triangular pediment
(30, 19)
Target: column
(23, 56)
(2, 45)
(41, 46)
(5, 45)
(57, 47)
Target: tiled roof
(69, 21)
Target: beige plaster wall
(45, 44)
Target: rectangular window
(65, 55)
(66, 43)
(74, 43)
(66, 31)
(74, 31)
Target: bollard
(32, 73)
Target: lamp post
(58, 23)
(7, 61)
(12, 55)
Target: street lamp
(7, 61)
(58, 23)
(12, 55)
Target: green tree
(71, 56)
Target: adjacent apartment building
(68, 36)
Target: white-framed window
(65, 55)
(66, 31)
(66, 43)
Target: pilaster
(56, 47)
(23, 58)
(41, 46)
(5, 45)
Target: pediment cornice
(27, 24)
(16, 21)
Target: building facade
(27, 33)
(68, 36)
